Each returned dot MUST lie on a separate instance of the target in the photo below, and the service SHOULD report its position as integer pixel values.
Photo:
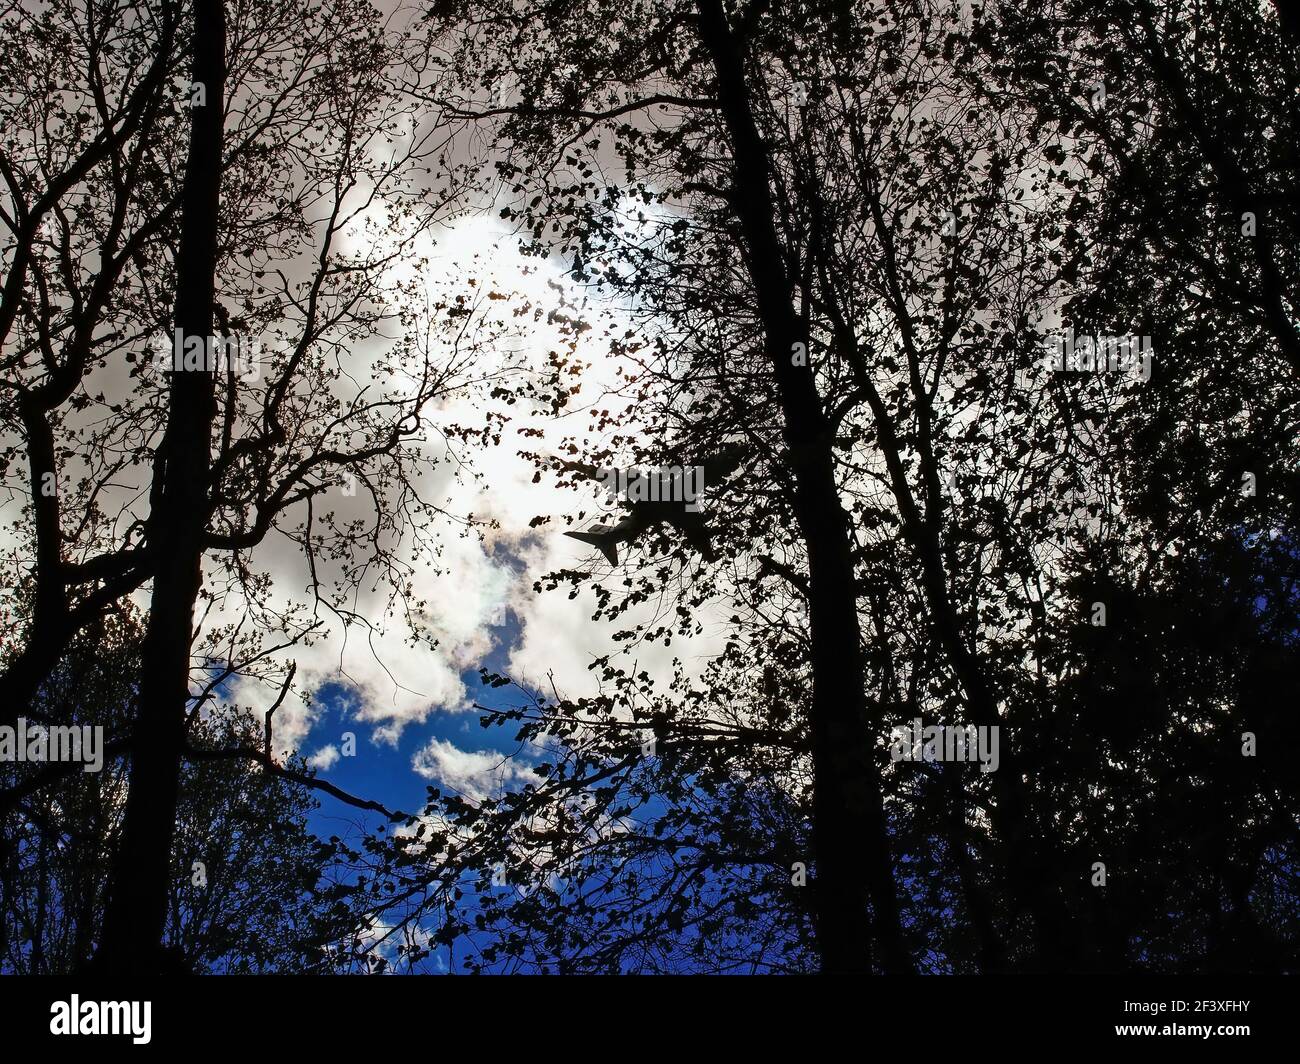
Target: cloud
(474, 577)
(474, 774)
(324, 758)
(481, 575)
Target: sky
(410, 706)
(411, 709)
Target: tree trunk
(137, 911)
(850, 834)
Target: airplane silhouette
(649, 513)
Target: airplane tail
(607, 545)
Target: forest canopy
(703, 486)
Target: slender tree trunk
(991, 954)
(137, 910)
(849, 824)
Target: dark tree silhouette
(844, 240)
(852, 228)
(250, 889)
(138, 468)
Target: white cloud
(477, 574)
(324, 757)
(474, 774)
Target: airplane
(650, 512)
